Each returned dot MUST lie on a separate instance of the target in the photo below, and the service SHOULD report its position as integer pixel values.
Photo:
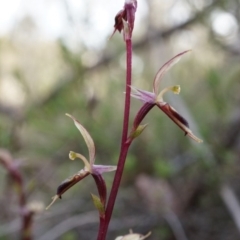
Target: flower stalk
(125, 144)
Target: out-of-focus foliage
(169, 181)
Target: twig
(91, 218)
(175, 225)
(232, 203)
(70, 223)
(26, 214)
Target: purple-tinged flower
(124, 20)
(151, 99)
(90, 168)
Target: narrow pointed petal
(161, 72)
(101, 186)
(141, 114)
(178, 119)
(144, 96)
(87, 138)
(100, 169)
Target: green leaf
(99, 205)
(138, 131)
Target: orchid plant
(124, 22)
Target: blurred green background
(56, 57)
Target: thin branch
(26, 214)
(175, 225)
(68, 224)
(91, 218)
(232, 203)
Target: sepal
(101, 186)
(87, 138)
(68, 183)
(178, 119)
(100, 169)
(144, 96)
(161, 72)
(141, 114)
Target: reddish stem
(27, 225)
(124, 146)
(128, 91)
(26, 215)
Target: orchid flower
(89, 168)
(124, 20)
(133, 236)
(151, 99)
